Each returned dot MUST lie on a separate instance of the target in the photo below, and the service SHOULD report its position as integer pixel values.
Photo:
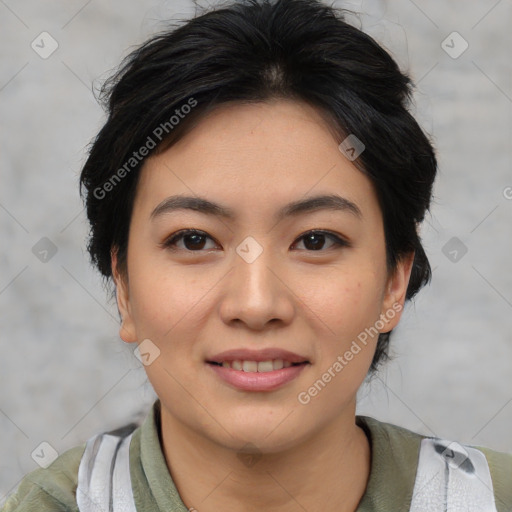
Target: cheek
(346, 303)
(166, 301)
(345, 307)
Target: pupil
(311, 237)
(196, 238)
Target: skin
(196, 303)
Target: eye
(315, 240)
(194, 240)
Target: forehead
(256, 157)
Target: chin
(261, 436)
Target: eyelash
(170, 242)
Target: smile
(247, 376)
(256, 366)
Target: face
(308, 281)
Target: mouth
(263, 370)
(263, 360)
(257, 366)
(266, 369)
(248, 375)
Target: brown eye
(315, 240)
(193, 240)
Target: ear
(127, 330)
(395, 292)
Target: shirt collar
(394, 452)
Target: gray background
(65, 374)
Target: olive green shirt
(395, 452)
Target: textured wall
(66, 375)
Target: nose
(257, 294)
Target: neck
(327, 472)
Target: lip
(256, 381)
(266, 354)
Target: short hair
(254, 51)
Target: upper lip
(267, 354)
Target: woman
(255, 196)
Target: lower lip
(257, 381)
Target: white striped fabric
(452, 478)
(104, 482)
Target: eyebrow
(311, 204)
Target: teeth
(257, 366)
(265, 366)
(250, 366)
(277, 364)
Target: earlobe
(396, 291)
(127, 330)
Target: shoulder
(500, 467)
(52, 488)
(500, 461)
(404, 446)
(55, 488)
